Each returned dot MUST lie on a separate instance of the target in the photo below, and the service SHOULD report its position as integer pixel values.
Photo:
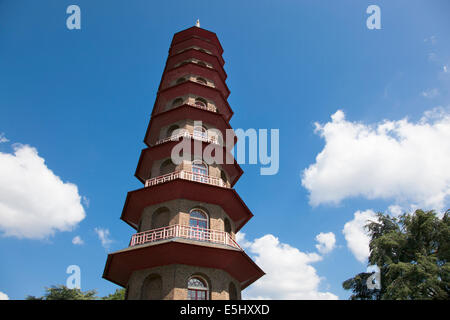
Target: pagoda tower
(187, 214)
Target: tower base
(171, 283)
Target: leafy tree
(359, 287)
(412, 253)
(119, 294)
(61, 292)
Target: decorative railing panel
(185, 134)
(186, 175)
(185, 232)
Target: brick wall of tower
(174, 280)
(188, 125)
(214, 170)
(178, 213)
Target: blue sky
(83, 98)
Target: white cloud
(104, 237)
(242, 241)
(437, 114)
(3, 139)
(34, 202)
(77, 240)
(3, 296)
(430, 93)
(357, 236)
(393, 160)
(326, 242)
(396, 210)
(445, 68)
(289, 274)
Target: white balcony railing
(188, 135)
(186, 175)
(203, 107)
(185, 232)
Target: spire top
(197, 24)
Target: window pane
(197, 214)
(199, 168)
(196, 283)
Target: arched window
(180, 80)
(160, 218)
(201, 80)
(167, 167)
(200, 102)
(152, 288)
(200, 171)
(232, 291)
(200, 132)
(177, 102)
(198, 219)
(197, 289)
(198, 225)
(172, 129)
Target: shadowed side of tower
(187, 214)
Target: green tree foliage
(61, 292)
(412, 253)
(358, 285)
(119, 294)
